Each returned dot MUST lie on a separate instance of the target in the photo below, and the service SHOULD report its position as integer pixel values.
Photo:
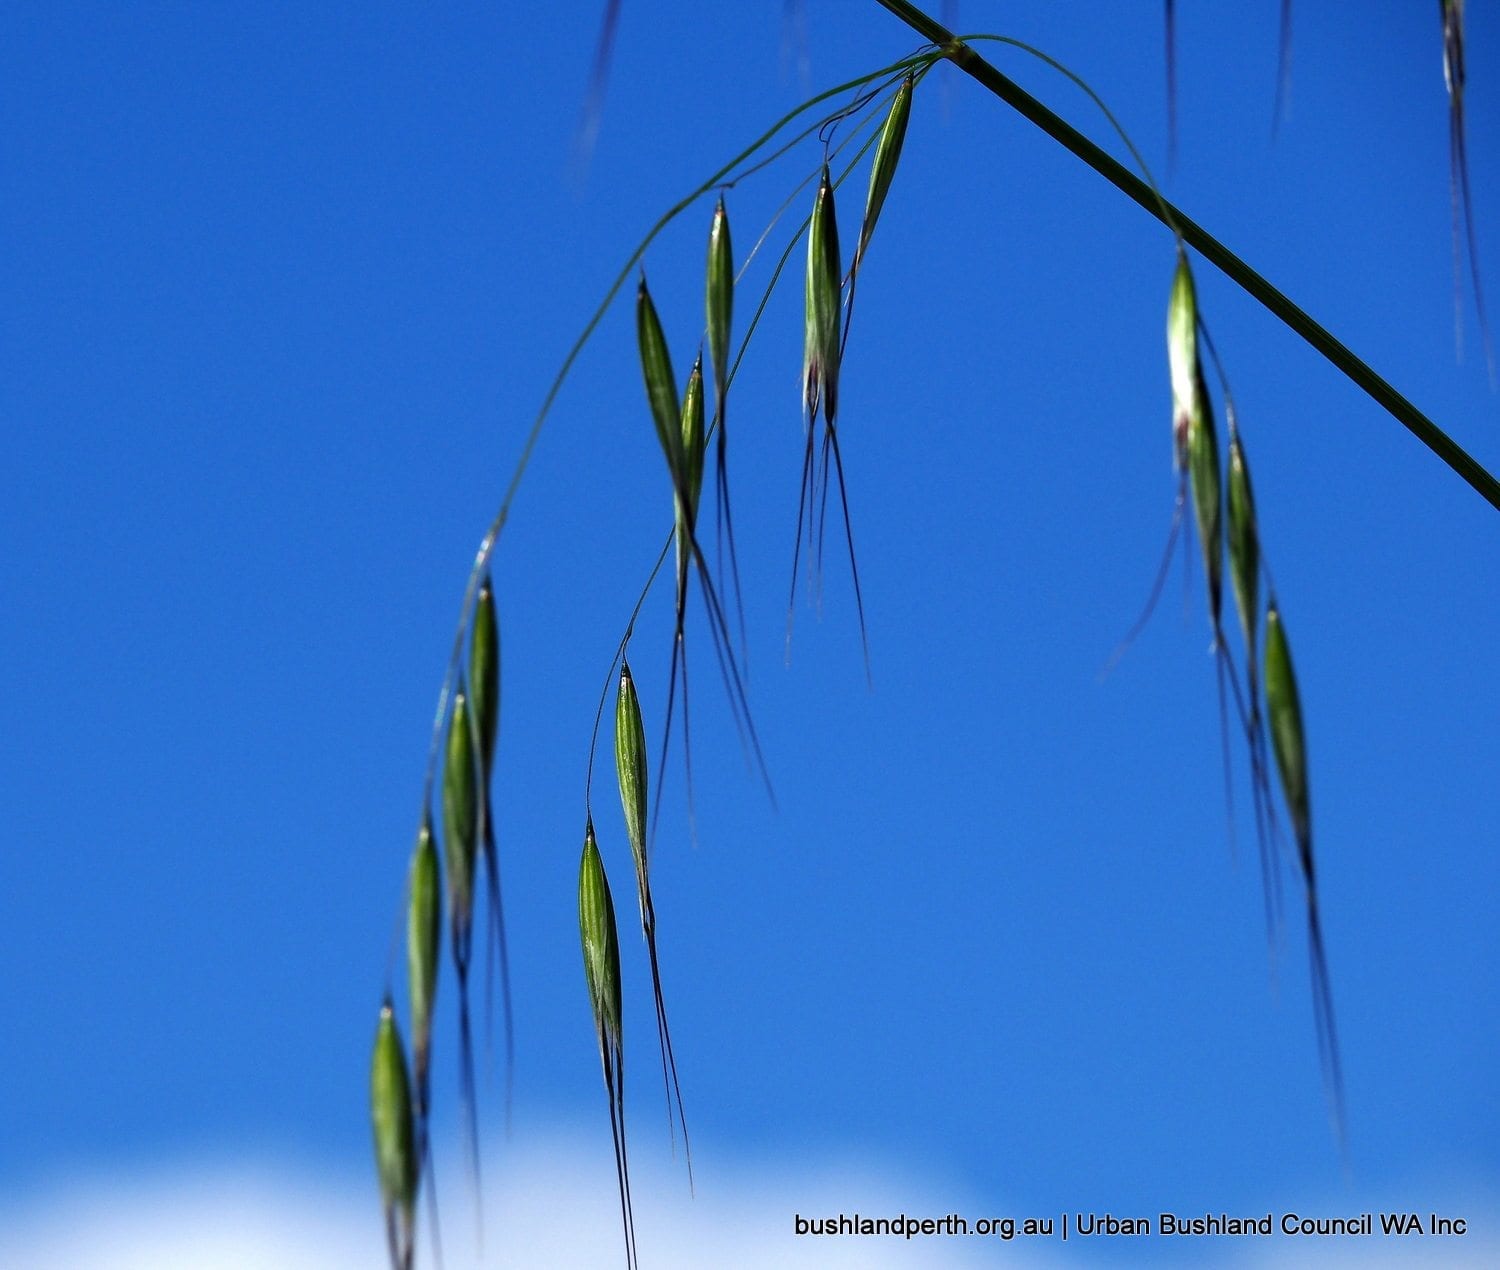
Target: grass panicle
(1223, 511)
(630, 768)
(484, 683)
(396, 1160)
(1284, 711)
(601, 968)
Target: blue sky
(281, 293)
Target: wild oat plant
(816, 149)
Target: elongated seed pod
(630, 768)
(601, 944)
(820, 358)
(484, 675)
(719, 300)
(1284, 709)
(1182, 356)
(883, 170)
(460, 816)
(1203, 470)
(661, 391)
(395, 1138)
(1244, 542)
(424, 916)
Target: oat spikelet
(395, 1141)
(630, 769)
(1284, 710)
(484, 683)
(601, 968)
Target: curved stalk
(1210, 248)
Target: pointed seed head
(391, 1117)
(883, 170)
(694, 441)
(1244, 542)
(720, 299)
(424, 917)
(1203, 472)
(460, 814)
(601, 945)
(1182, 356)
(820, 357)
(484, 675)
(661, 390)
(1284, 712)
(630, 768)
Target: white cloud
(549, 1202)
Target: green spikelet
(883, 170)
(820, 359)
(423, 929)
(395, 1139)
